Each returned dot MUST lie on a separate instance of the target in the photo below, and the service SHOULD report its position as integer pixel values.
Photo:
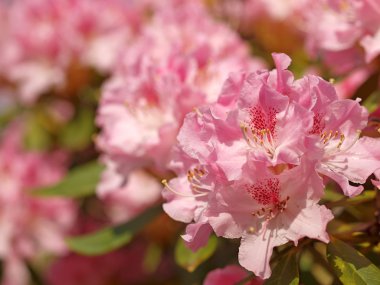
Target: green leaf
(36, 137)
(337, 227)
(350, 265)
(80, 182)
(365, 196)
(152, 258)
(286, 271)
(7, 115)
(111, 238)
(372, 102)
(78, 134)
(190, 260)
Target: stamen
(342, 137)
(165, 183)
(259, 138)
(329, 136)
(196, 110)
(245, 134)
(251, 230)
(358, 133)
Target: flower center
(333, 142)
(267, 193)
(194, 178)
(260, 129)
(318, 124)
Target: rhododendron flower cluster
(148, 142)
(29, 226)
(146, 99)
(339, 31)
(65, 34)
(252, 165)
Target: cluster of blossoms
(144, 102)
(67, 35)
(254, 164)
(344, 33)
(248, 11)
(176, 93)
(29, 226)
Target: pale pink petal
(180, 208)
(371, 45)
(309, 222)
(197, 235)
(282, 62)
(255, 252)
(355, 164)
(140, 191)
(343, 182)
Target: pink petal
(197, 235)
(255, 252)
(355, 165)
(309, 222)
(371, 45)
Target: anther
(342, 137)
(251, 230)
(166, 184)
(196, 110)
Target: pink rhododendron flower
(251, 165)
(335, 134)
(179, 62)
(29, 225)
(339, 30)
(229, 275)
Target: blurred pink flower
(338, 30)
(179, 62)
(122, 200)
(229, 275)
(347, 87)
(64, 33)
(29, 226)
